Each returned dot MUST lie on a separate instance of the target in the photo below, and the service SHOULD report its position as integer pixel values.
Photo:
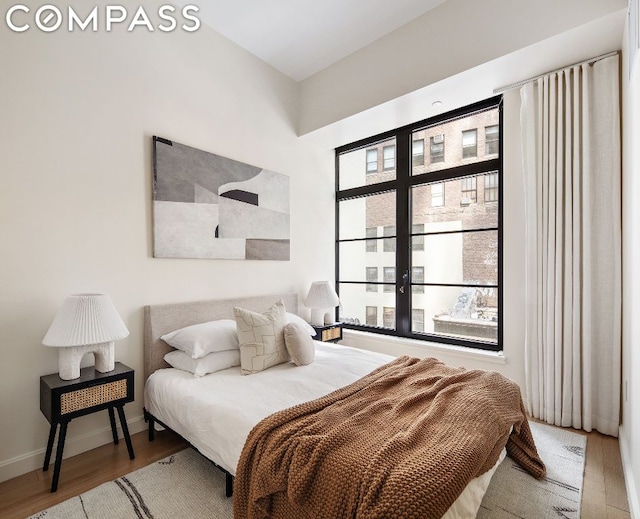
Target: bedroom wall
(78, 111)
(630, 429)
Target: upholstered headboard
(162, 319)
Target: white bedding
(215, 413)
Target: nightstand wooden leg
(114, 431)
(56, 468)
(125, 431)
(47, 456)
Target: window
(372, 277)
(418, 153)
(417, 240)
(389, 244)
(469, 191)
(491, 187)
(389, 157)
(372, 245)
(437, 148)
(437, 194)
(417, 320)
(372, 161)
(388, 317)
(469, 144)
(389, 274)
(372, 316)
(440, 260)
(491, 140)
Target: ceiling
(302, 37)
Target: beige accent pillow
(299, 344)
(261, 338)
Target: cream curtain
(570, 124)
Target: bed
(218, 413)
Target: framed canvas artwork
(212, 207)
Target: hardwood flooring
(603, 495)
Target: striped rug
(186, 485)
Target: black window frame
(402, 186)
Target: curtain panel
(570, 123)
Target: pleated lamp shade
(86, 323)
(320, 297)
(85, 319)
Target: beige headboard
(162, 319)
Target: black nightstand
(328, 332)
(63, 400)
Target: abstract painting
(209, 206)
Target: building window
(491, 140)
(372, 278)
(372, 161)
(417, 238)
(388, 317)
(372, 316)
(469, 191)
(417, 276)
(389, 244)
(437, 148)
(491, 187)
(372, 245)
(469, 144)
(389, 157)
(417, 320)
(389, 274)
(437, 194)
(418, 153)
(442, 268)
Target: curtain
(570, 123)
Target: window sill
(431, 348)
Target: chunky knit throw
(401, 442)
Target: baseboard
(629, 481)
(29, 461)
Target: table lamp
(320, 297)
(86, 323)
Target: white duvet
(215, 413)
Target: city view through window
(418, 246)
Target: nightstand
(328, 332)
(63, 400)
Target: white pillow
(200, 339)
(261, 338)
(208, 364)
(293, 318)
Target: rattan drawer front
(331, 333)
(92, 396)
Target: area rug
(186, 485)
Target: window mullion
(403, 174)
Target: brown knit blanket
(401, 442)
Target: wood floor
(603, 495)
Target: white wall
(77, 113)
(630, 429)
(512, 363)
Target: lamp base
(317, 316)
(69, 359)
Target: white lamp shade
(321, 295)
(85, 319)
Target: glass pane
(357, 306)
(371, 165)
(459, 258)
(448, 206)
(444, 142)
(468, 313)
(367, 217)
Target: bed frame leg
(152, 430)
(228, 484)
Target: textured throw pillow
(200, 339)
(299, 344)
(293, 318)
(210, 363)
(261, 338)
